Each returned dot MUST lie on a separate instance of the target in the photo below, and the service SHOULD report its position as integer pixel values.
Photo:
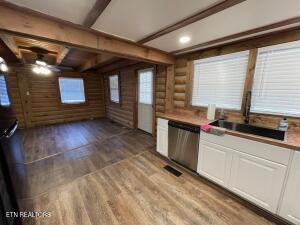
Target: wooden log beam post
(170, 89)
(21, 22)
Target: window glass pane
(71, 90)
(277, 80)
(114, 88)
(145, 86)
(4, 99)
(220, 80)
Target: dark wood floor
(110, 175)
(43, 142)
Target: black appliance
(9, 152)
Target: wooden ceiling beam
(118, 64)
(194, 18)
(94, 62)
(21, 22)
(95, 12)
(11, 44)
(7, 54)
(252, 33)
(29, 49)
(62, 54)
(93, 15)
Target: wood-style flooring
(47, 141)
(113, 177)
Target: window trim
(79, 104)
(119, 89)
(8, 92)
(190, 82)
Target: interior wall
(122, 113)
(35, 98)
(15, 97)
(125, 113)
(183, 81)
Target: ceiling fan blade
(54, 68)
(64, 68)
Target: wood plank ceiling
(160, 23)
(20, 48)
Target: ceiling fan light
(45, 71)
(36, 70)
(3, 67)
(41, 63)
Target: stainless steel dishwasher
(184, 144)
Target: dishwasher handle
(183, 126)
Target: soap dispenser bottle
(283, 125)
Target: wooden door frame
(153, 67)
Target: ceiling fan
(41, 66)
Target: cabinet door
(258, 180)
(214, 162)
(162, 141)
(290, 208)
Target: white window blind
(71, 90)
(114, 88)
(145, 86)
(220, 80)
(276, 85)
(4, 99)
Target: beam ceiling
(21, 22)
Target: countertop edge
(235, 133)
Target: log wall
(183, 78)
(36, 101)
(126, 112)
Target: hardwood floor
(119, 180)
(46, 141)
(60, 159)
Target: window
(114, 88)
(277, 80)
(4, 99)
(220, 80)
(71, 90)
(145, 86)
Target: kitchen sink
(249, 129)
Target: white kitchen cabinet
(214, 162)
(258, 180)
(162, 137)
(290, 207)
(253, 170)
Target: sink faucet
(247, 108)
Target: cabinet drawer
(258, 180)
(162, 123)
(262, 150)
